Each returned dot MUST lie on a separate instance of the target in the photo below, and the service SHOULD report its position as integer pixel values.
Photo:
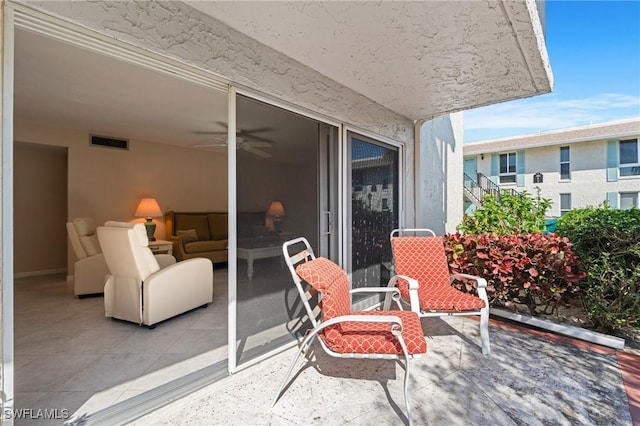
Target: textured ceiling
(419, 59)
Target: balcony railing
(476, 189)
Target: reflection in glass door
(374, 171)
(278, 198)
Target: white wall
(438, 174)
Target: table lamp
(276, 210)
(149, 208)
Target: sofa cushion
(202, 246)
(218, 225)
(198, 222)
(188, 235)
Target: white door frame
(17, 16)
(346, 179)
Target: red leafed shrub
(527, 268)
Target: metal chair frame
(392, 294)
(414, 302)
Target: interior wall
(40, 208)
(107, 184)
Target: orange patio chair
(424, 280)
(344, 333)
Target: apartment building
(574, 167)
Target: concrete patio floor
(530, 378)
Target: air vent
(106, 142)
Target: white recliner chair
(90, 270)
(138, 289)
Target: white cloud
(549, 112)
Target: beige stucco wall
(107, 184)
(588, 185)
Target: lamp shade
(276, 209)
(148, 208)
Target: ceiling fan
(245, 140)
(253, 147)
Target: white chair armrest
(177, 288)
(413, 285)
(164, 260)
(181, 272)
(393, 294)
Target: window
(629, 162)
(628, 200)
(508, 168)
(565, 169)
(565, 203)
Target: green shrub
(525, 268)
(608, 244)
(508, 214)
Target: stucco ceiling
(417, 58)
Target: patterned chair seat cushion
(424, 259)
(376, 338)
(449, 299)
(357, 337)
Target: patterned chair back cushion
(331, 281)
(421, 258)
(424, 259)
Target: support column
(438, 171)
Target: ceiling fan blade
(257, 144)
(247, 131)
(206, 132)
(258, 152)
(210, 145)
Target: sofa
(205, 234)
(198, 234)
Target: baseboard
(39, 273)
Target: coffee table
(251, 254)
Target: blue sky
(594, 50)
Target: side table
(161, 247)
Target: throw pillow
(188, 235)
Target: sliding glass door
(373, 212)
(282, 192)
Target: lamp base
(277, 226)
(151, 229)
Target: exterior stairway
(476, 189)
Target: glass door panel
(278, 198)
(374, 173)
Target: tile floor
(68, 355)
